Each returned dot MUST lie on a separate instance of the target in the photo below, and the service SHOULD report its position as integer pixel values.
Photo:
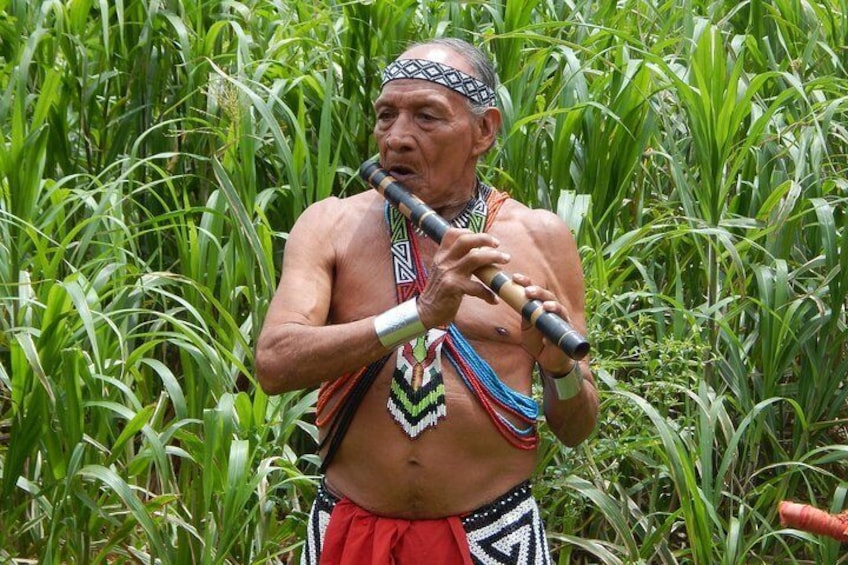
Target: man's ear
(488, 126)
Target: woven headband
(458, 81)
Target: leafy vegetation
(156, 152)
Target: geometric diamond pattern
(476, 90)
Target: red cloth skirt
(357, 537)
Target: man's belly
(458, 466)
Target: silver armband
(399, 324)
(570, 384)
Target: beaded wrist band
(399, 324)
(570, 384)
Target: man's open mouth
(401, 171)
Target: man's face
(428, 138)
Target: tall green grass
(156, 153)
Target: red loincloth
(357, 537)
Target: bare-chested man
(428, 431)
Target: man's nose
(399, 134)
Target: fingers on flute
(550, 302)
(483, 292)
(460, 254)
(461, 241)
(521, 278)
(536, 292)
(469, 251)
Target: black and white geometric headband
(458, 81)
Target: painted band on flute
(553, 327)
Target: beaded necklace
(416, 397)
(417, 393)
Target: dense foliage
(155, 152)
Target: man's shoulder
(326, 224)
(333, 209)
(532, 218)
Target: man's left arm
(571, 409)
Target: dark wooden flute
(553, 327)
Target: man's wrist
(399, 324)
(569, 384)
(559, 374)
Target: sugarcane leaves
(139, 511)
(245, 225)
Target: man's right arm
(296, 348)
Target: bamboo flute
(553, 327)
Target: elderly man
(428, 433)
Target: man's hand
(551, 358)
(460, 253)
